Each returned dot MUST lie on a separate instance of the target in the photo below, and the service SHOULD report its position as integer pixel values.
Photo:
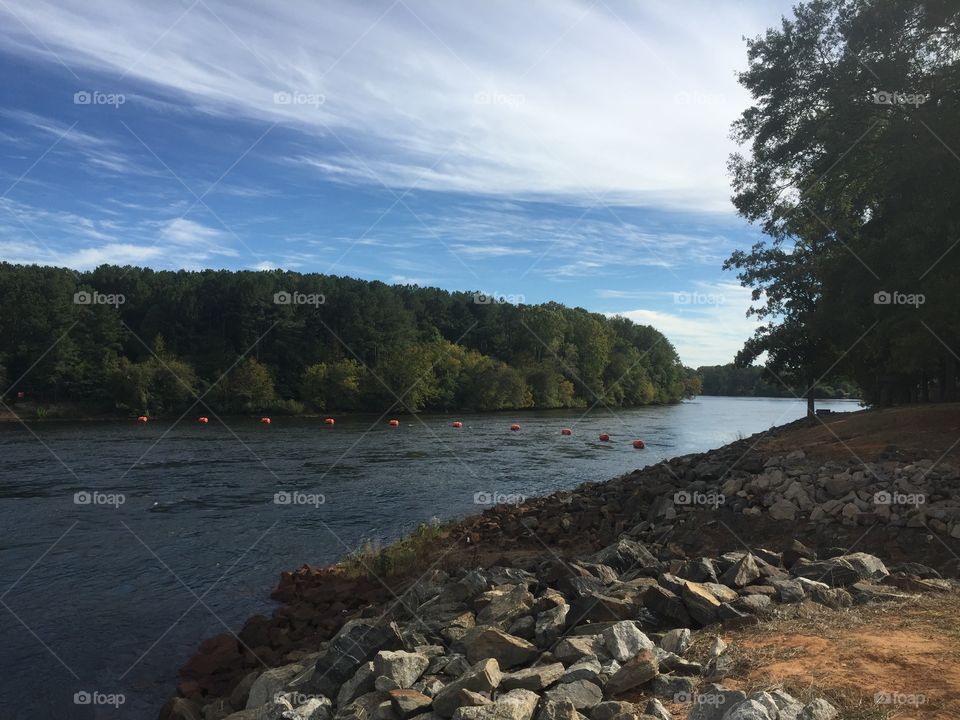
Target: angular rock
(505, 606)
(407, 703)
(355, 643)
(819, 709)
(599, 607)
(699, 570)
(404, 668)
(702, 605)
(314, 709)
(612, 710)
(572, 648)
(549, 624)
(788, 706)
(469, 698)
(637, 671)
(484, 676)
(713, 701)
(557, 710)
(789, 591)
(783, 510)
(666, 605)
(515, 705)
(363, 708)
(624, 640)
(655, 709)
(671, 686)
(361, 683)
(721, 592)
(676, 641)
(742, 573)
(271, 683)
(582, 693)
(490, 642)
(587, 668)
(753, 604)
(747, 710)
(843, 570)
(625, 555)
(536, 678)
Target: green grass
(373, 559)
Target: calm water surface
(102, 596)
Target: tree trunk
(811, 404)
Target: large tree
(849, 171)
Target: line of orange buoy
(515, 427)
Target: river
(123, 545)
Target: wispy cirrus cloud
(561, 99)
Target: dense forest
(754, 381)
(142, 341)
(852, 173)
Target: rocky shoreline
(580, 604)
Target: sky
(567, 150)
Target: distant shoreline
(29, 417)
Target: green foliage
(752, 381)
(248, 387)
(220, 335)
(856, 194)
(416, 550)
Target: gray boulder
(536, 678)
(640, 669)
(490, 642)
(624, 640)
(582, 693)
(515, 705)
(404, 668)
(676, 641)
(484, 676)
(356, 643)
(819, 709)
(271, 683)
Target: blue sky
(549, 150)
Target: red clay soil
(921, 431)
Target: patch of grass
(375, 560)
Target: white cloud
(490, 250)
(623, 104)
(703, 333)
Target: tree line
(149, 342)
(851, 168)
(753, 381)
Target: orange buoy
(265, 420)
(203, 420)
(639, 444)
(457, 424)
(142, 419)
(604, 437)
(394, 423)
(515, 427)
(329, 421)
(566, 431)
